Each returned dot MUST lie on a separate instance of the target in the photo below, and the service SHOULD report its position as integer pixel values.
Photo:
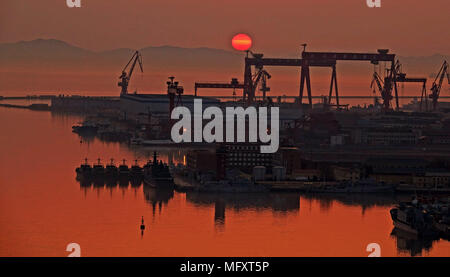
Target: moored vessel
(157, 174)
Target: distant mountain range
(50, 65)
(51, 52)
(57, 53)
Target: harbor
(225, 137)
(113, 210)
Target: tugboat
(85, 127)
(136, 175)
(124, 171)
(136, 170)
(157, 174)
(111, 170)
(98, 170)
(85, 170)
(412, 218)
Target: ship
(227, 186)
(136, 171)
(98, 170)
(84, 173)
(85, 127)
(362, 186)
(124, 171)
(84, 169)
(157, 174)
(111, 170)
(411, 217)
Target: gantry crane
(258, 61)
(437, 84)
(234, 84)
(125, 78)
(313, 58)
(318, 59)
(395, 75)
(401, 78)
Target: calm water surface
(43, 208)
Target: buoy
(142, 224)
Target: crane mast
(261, 77)
(437, 85)
(125, 78)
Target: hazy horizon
(346, 25)
(277, 29)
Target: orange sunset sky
(277, 27)
(411, 27)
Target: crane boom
(125, 78)
(378, 81)
(437, 85)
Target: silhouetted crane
(437, 85)
(380, 85)
(125, 78)
(261, 77)
(397, 76)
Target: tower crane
(380, 85)
(173, 89)
(261, 77)
(437, 84)
(126, 77)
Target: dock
(35, 107)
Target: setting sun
(241, 42)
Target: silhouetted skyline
(409, 27)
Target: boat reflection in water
(276, 201)
(157, 197)
(363, 200)
(411, 244)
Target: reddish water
(43, 208)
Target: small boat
(157, 142)
(136, 170)
(363, 186)
(111, 170)
(157, 174)
(98, 170)
(124, 171)
(136, 141)
(226, 186)
(84, 170)
(85, 127)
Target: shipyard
(228, 129)
(325, 147)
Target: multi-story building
(389, 136)
(432, 178)
(245, 156)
